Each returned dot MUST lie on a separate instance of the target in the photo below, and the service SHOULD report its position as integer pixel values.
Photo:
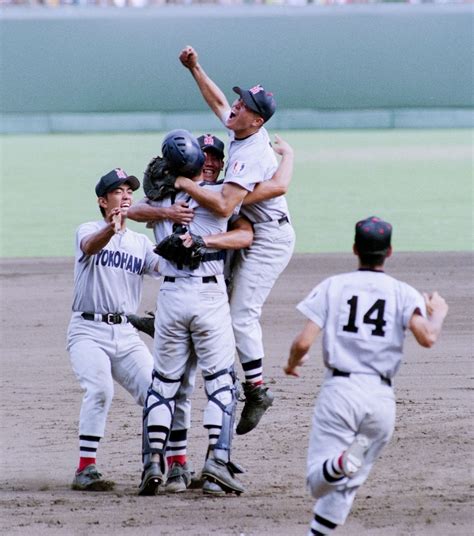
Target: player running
(364, 316)
(251, 161)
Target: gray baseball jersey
(364, 315)
(111, 280)
(250, 161)
(204, 223)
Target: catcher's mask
(183, 153)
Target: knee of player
(100, 395)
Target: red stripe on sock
(84, 462)
(181, 459)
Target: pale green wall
(327, 66)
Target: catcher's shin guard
(220, 397)
(156, 422)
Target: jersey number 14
(373, 316)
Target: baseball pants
(101, 353)
(256, 270)
(363, 404)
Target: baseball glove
(158, 179)
(144, 323)
(172, 249)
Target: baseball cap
(113, 179)
(373, 235)
(258, 100)
(208, 142)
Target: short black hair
(372, 259)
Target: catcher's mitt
(158, 179)
(172, 249)
(144, 323)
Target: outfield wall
(378, 66)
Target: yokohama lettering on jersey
(364, 316)
(111, 280)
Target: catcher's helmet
(183, 153)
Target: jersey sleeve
(413, 301)
(82, 231)
(151, 259)
(315, 305)
(245, 173)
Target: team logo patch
(208, 139)
(238, 167)
(256, 89)
(120, 173)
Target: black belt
(108, 318)
(281, 221)
(336, 372)
(205, 279)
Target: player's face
(121, 197)
(241, 117)
(212, 166)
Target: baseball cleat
(179, 478)
(219, 472)
(152, 478)
(211, 488)
(257, 400)
(89, 479)
(353, 458)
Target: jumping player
(110, 262)
(364, 316)
(251, 161)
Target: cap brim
(131, 180)
(213, 149)
(247, 98)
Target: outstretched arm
(144, 212)
(427, 330)
(279, 183)
(300, 348)
(212, 94)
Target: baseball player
(364, 316)
(179, 476)
(192, 315)
(110, 263)
(251, 161)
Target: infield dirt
(421, 485)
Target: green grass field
(420, 180)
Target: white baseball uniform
(250, 161)
(364, 316)
(192, 313)
(109, 282)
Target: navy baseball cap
(258, 100)
(373, 235)
(208, 142)
(113, 179)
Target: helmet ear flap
(183, 153)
